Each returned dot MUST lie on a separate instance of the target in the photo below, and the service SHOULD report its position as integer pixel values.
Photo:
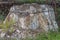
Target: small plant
(5, 26)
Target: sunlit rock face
(31, 19)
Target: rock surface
(31, 19)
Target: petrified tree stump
(31, 19)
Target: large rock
(31, 19)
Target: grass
(7, 26)
(49, 36)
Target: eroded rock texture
(31, 19)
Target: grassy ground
(49, 36)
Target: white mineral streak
(22, 22)
(2, 34)
(14, 16)
(32, 9)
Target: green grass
(49, 36)
(30, 1)
(33, 0)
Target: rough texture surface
(31, 19)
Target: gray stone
(31, 19)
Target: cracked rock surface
(30, 20)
